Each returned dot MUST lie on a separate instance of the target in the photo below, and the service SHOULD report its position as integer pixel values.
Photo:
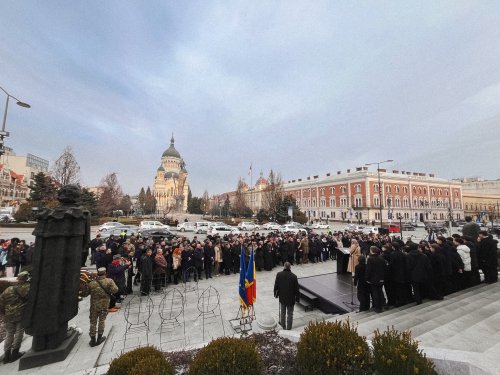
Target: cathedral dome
(171, 151)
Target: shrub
(396, 353)
(141, 361)
(332, 348)
(227, 356)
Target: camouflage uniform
(99, 301)
(12, 303)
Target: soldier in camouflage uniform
(12, 303)
(99, 301)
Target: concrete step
(429, 315)
(425, 319)
(454, 320)
(414, 309)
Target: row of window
(390, 202)
(389, 188)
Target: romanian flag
(251, 281)
(242, 287)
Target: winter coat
(286, 287)
(464, 253)
(160, 266)
(375, 270)
(355, 251)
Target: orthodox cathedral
(171, 186)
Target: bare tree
(239, 205)
(205, 202)
(111, 194)
(66, 169)
(273, 194)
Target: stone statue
(61, 235)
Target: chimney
(348, 171)
(328, 175)
(339, 172)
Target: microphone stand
(351, 304)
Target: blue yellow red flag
(250, 281)
(242, 287)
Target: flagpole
(251, 187)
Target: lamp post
(4, 133)
(379, 185)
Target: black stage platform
(330, 292)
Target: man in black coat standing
(286, 288)
(487, 257)
(375, 272)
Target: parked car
(248, 226)
(187, 226)
(293, 228)
(7, 218)
(370, 230)
(109, 225)
(408, 227)
(222, 229)
(152, 224)
(392, 228)
(354, 228)
(201, 227)
(157, 234)
(271, 226)
(320, 226)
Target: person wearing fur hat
(12, 304)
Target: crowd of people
(386, 271)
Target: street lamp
(3, 133)
(379, 185)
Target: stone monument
(61, 236)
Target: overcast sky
(303, 87)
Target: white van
(152, 224)
(201, 227)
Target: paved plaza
(83, 358)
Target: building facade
(362, 195)
(171, 186)
(481, 199)
(16, 176)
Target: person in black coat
(198, 259)
(375, 273)
(259, 257)
(286, 288)
(438, 264)
(389, 287)
(487, 257)
(419, 268)
(363, 289)
(209, 259)
(399, 274)
(268, 256)
(227, 262)
(146, 272)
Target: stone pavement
(86, 360)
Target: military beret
(101, 271)
(24, 275)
